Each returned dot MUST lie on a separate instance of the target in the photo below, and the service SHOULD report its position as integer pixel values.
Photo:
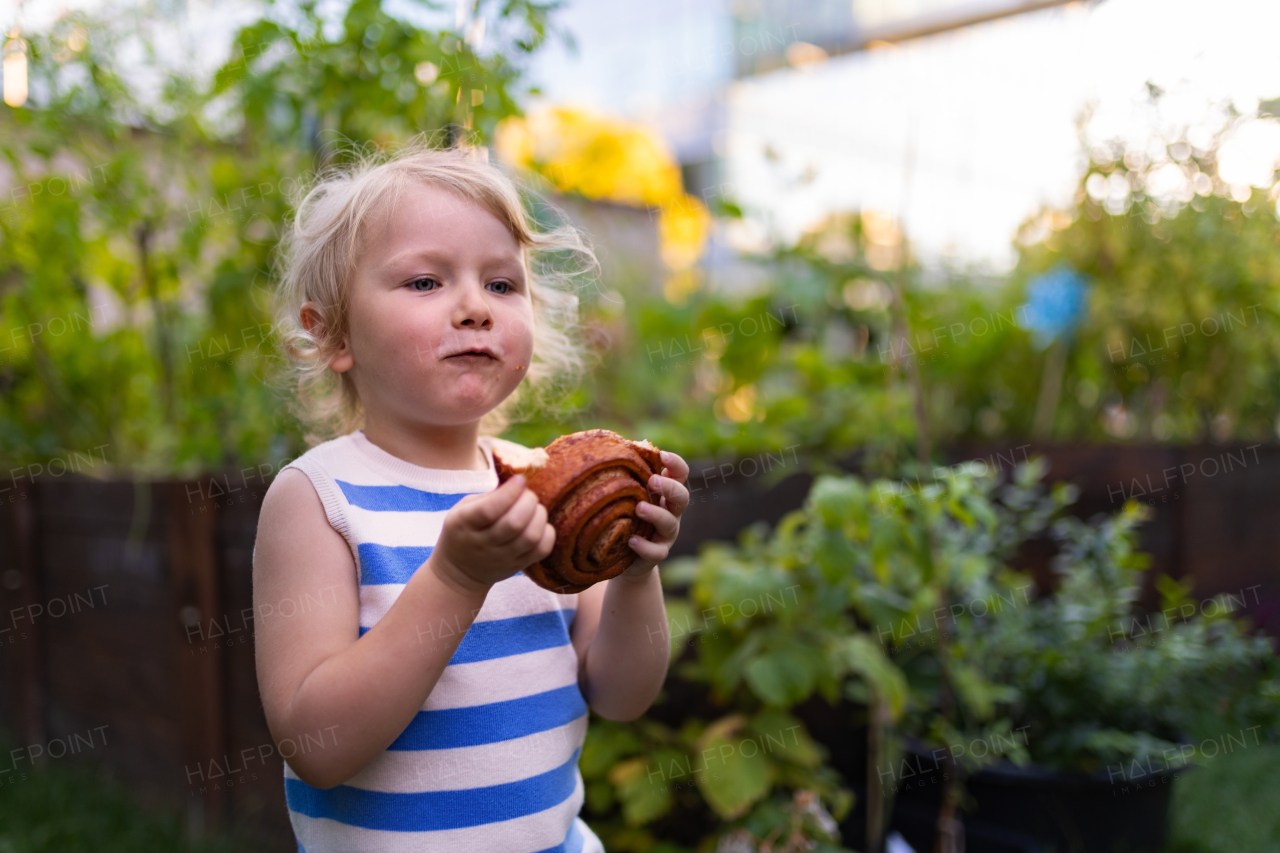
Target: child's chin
(465, 408)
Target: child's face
(441, 276)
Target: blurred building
(961, 117)
(624, 238)
(703, 74)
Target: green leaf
(606, 743)
(860, 654)
(784, 738)
(782, 678)
(975, 691)
(735, 775)
(1174, 593)
(643, 789)
(681, 623)
(837, 499)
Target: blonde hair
(323, 243)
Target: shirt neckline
(439, 480)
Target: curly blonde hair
(323, 243)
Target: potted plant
(977, 705)
(1052, 721)
(1113, 704)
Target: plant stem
(875, 791)
(950, 832)
(164, 348)
(923, 449)
(1055, 366)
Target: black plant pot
(842, 729)
(1037, 809)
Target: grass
(68, 808)
(1231, 805)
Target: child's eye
(423, 284)
(504, 284)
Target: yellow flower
(610, 159)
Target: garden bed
(164, 659)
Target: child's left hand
(665, 515)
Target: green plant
(1180, 340)
(1228, 806)
(135, 257)
(729, 376)
(1107, 689)
(787, 617)
(901, 596)
(1075, 670)
(917, 557)
(764, 633)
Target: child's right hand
(487, 538)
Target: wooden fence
(126, 608)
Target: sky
(962, 135)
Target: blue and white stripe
(490, 762)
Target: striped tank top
(490, 762)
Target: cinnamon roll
(590, 483)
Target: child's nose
(472, 309)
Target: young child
(426, 694)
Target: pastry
(590, 483)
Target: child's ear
(313, 321)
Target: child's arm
(317, 676)
(620, 631)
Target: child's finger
(546, 541)
(515, 520)
(648, 551)
(666, 525)
(678, 467)
(481, 511)
(677, 496)
(531, 534)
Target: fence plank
(20, 595)
(194, 581)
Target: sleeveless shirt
(489, 764)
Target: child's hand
(487, 538)
(665, 515)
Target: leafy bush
(1228, 806)
(135, 258)
(1178, 340)
(903, 595)
(729, 376)
(1102, 687)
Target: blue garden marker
(1055, 306)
